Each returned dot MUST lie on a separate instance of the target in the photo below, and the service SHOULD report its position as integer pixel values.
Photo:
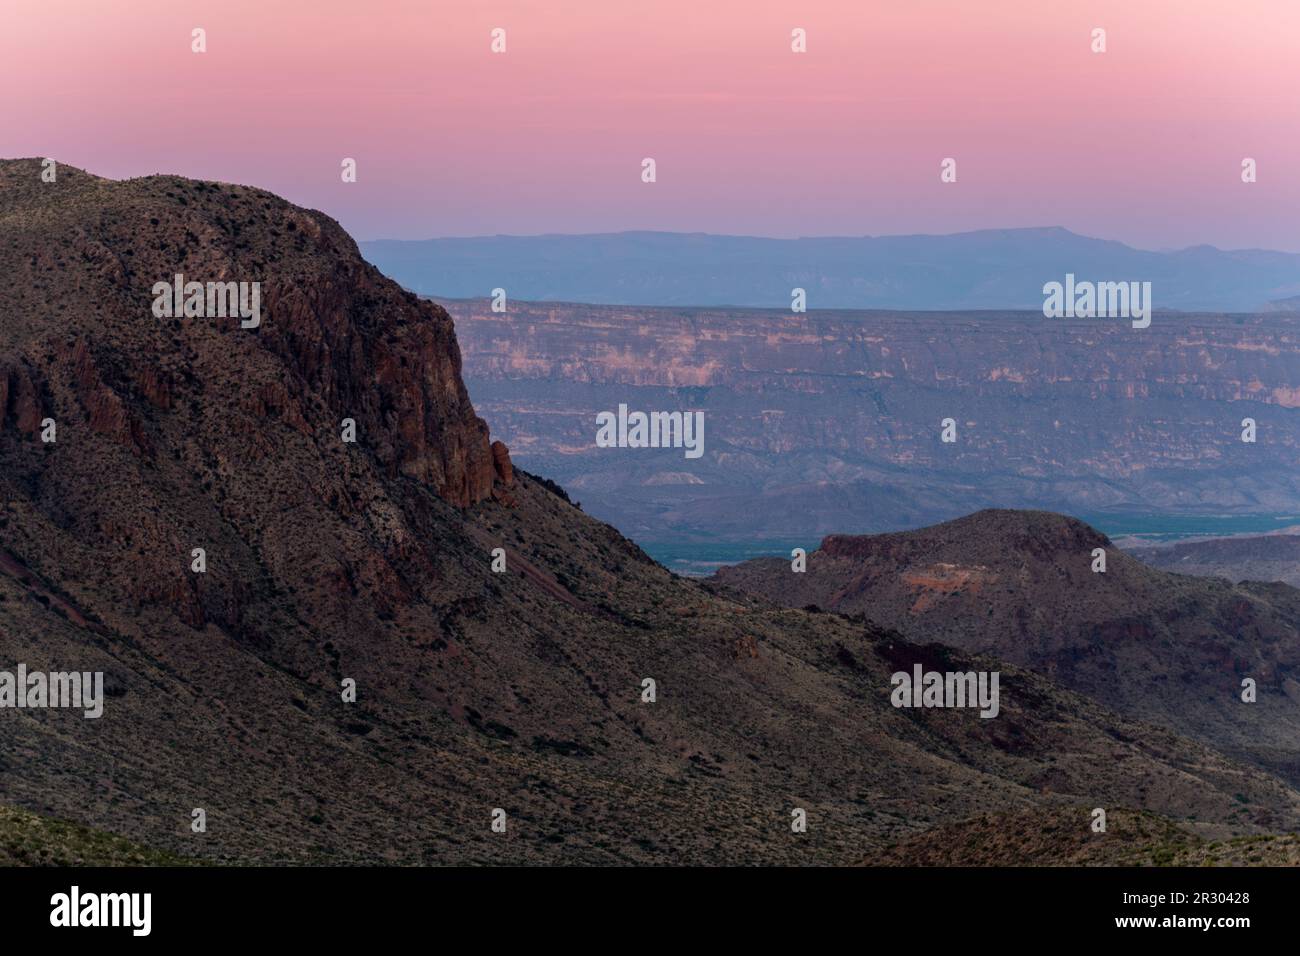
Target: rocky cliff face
(336, 340)
(828, 421)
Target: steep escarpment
(336, 340)
(1028, 587)
(829, 421)
(185, 433)
(315, 641)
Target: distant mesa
(829, 420)
(986, 269)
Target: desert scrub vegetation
(28, 839)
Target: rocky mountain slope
(1057, 837)
(1167, 648)
(831, 421)
(27, 839)
(329, 562)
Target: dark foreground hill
(1020, 585)
(370, 562)
(1057, 837)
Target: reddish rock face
(108, 414)
(501, 463)
(20, 403)
(505, 474)
(390, 362)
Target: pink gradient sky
(1142, 144)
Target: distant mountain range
(988, 269)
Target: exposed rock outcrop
(501, 463)
(339, 340)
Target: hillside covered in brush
(1021, 586)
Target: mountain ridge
(1027, 587)
(1268, 557)
(980, 269)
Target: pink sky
(1143, 143)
